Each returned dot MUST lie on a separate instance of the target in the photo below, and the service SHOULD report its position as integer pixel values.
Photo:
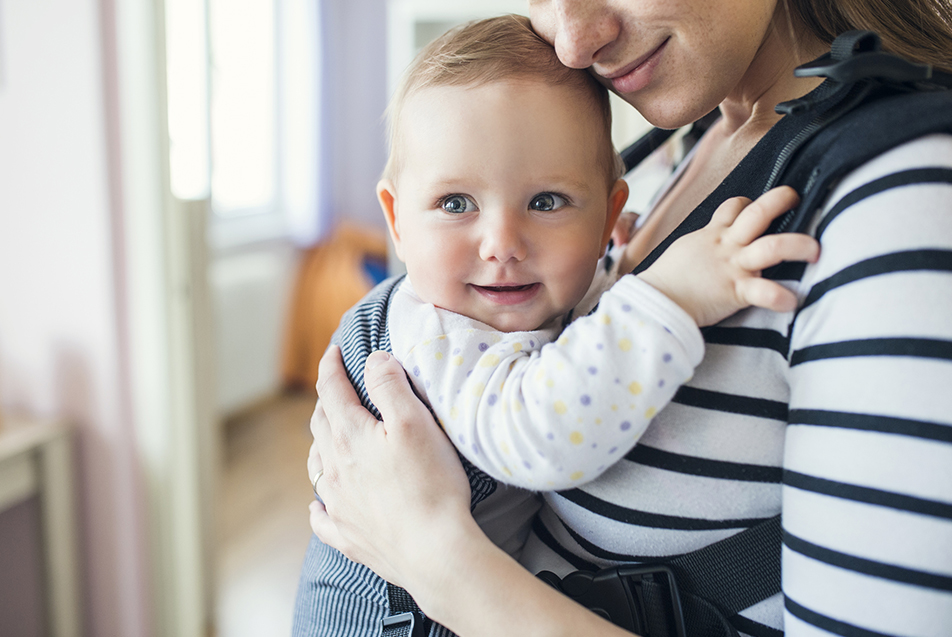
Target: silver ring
(316, 478)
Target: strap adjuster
(409, 624)
(627, 596)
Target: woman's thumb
(388, 387)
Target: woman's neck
(749, 109)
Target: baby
(500, 194)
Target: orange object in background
(332, 277)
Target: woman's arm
(396, 499)
(867, 500)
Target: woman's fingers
(754, 219)
(318, 422)
(390, 391)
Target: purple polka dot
(592, 370)
(456, 351)
(462, 439)
(626, 308)
(526, 465)
(416, 371)
(541, 455)
(661, 383)
(666, 358)
(483, 347)
(594, 445)
(667, 330)
(491, 400)
(613, 450)
(625, 426)
(586, 400)
(601, 468)
(441, 399)
(531, 343)
(476, 449)
(427, 384)
(550, 436)
(599, 346)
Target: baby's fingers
(755, 219)
(766, 294)
(776, 248)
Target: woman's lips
(637, 76)
(508, 294)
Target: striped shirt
(839, 415)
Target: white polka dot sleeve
(555, 416)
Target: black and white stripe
(862, 373)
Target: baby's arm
(544, 420)
(558, 417)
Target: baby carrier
(861, 110)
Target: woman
(838, 415)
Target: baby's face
(501, 207)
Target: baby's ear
(387, 196)
(616, 202)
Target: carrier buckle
(408, 624)
(620, 595)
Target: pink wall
(61, 349)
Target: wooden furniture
(36, 459)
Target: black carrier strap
(870, 103)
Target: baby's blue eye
(457, 204)
(547, 201)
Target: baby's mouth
(508, 294)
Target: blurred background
(186, 208)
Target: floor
(263, 526)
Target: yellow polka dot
(576, 476)
(598, 421)
(580, 420)
(454, 413)
(439, 356)
(624, 344)
(507, 471)
(563, 340)
(550, 383)
(441, 337)
(504, 448)
(517, 347)
(650, 412)
(605, 319)
(496, 338)
(634, 387)
(489, 360)
(457, 360)
(560, 366)
(540, 374)
(478, 389)
(427, 342)
(560, 407)
(614, 407)
(576, 437)
(517, 406)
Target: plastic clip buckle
(618, 595)
(393, 623)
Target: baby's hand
(715, 271)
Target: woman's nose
(503, 240)
(578, 29)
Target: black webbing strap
(718, 581)
(406, 619)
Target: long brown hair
(918, 30)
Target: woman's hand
(387, 485)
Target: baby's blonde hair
(493, 50)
